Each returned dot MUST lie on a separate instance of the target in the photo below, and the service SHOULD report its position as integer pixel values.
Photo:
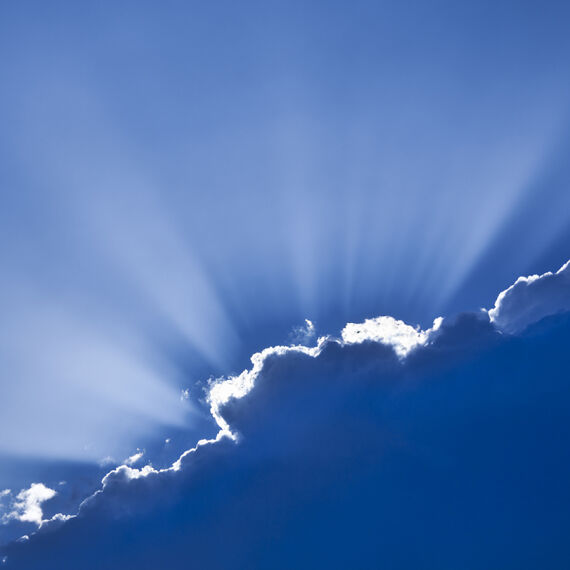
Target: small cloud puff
(402, 337)
(27, 506)
(530, 299)
(134, 458)
(304, 334)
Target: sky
(184, 185)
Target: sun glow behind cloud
(137, 283)
(527, 301)
(155, 235)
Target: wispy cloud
(304, 334)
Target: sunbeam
(184, 185)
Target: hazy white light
(82, 377)
(304, 334)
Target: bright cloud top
(27, 507)
(528, 300)
(135, 458)
(532, 298)
(402, 337)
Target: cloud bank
(392, 445)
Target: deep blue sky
(183, 183)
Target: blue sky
(183, 184)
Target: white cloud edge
(27, 505)
(402, 337)
(134, 458)
(522, 281)
(223, 390)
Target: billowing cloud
(371, 446)
(532, 298)
(402, 337)
(27, 507)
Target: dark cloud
(455, 457)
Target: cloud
(402, 337)
(346, 447)
(224, 390)
(532, 298)
(135, 458)
(27, 507)
(5, 495)
(355, 457)
(304, 334)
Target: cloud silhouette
(440, 448)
